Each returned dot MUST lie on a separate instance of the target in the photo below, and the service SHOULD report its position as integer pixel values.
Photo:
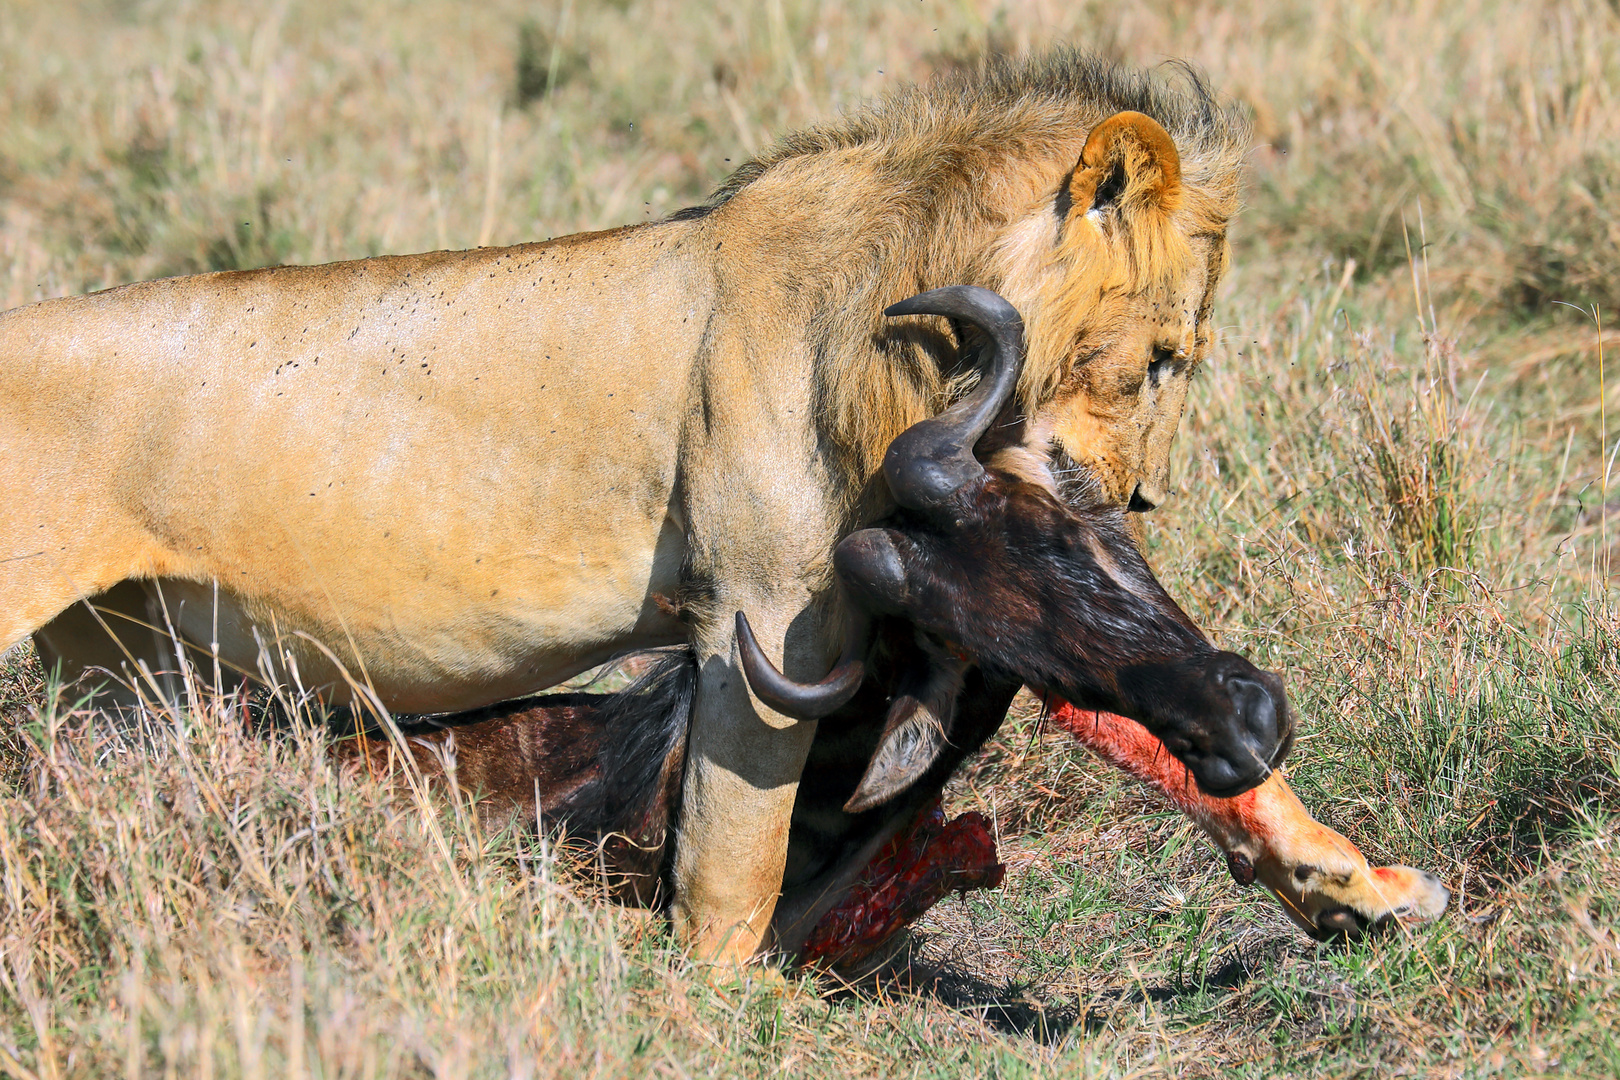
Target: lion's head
(1116, 274)
(1094, 198)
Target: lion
(443, 480)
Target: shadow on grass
(1031, 1010)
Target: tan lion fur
(465, 476)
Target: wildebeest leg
(1319, 877)
(743, 767)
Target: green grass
(1391, 488)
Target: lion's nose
(1147, 496)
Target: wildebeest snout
(1227, 720)
(1260, 707)
(1251, 734)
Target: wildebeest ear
(911, 741)
(914, 733)
(1128, 159)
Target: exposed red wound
(1130, 746)
(912, 873)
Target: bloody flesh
(913, 872)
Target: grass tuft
(1420, 465)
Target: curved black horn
(931, 460)
(804, 701)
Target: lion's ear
(1128, 160)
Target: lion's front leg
(743, 766)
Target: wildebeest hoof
(1341, 922)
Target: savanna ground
(1392, 487)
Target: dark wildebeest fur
(605, 768)
(1065, 604)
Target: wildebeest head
(993, 569)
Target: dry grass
(1392, 487)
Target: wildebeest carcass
(982, 582)
(605, 770)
